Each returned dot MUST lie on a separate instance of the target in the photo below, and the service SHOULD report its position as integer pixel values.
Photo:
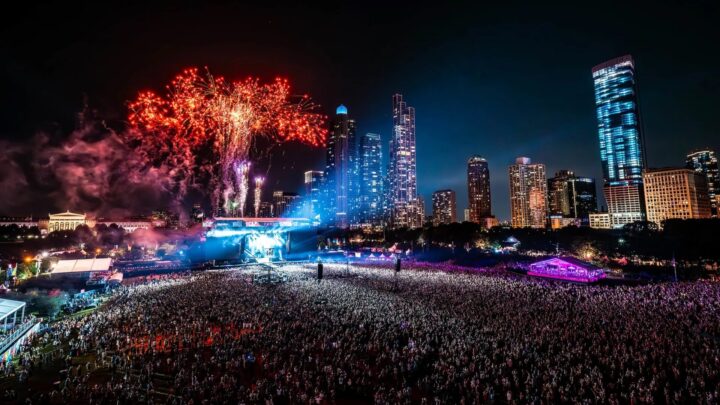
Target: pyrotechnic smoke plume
(91, 170)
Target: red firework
(196, 108)
(201, 110)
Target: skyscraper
(285, 204)
(417, 212)
(676, 193)
(622, 145)
(371, 183)
(313, 189)
(528, 194)
(558, 195)
(339, 168)
(478, 175)
(266, 210)
(583, 198)
(570, 196)
(402, 201)
(705, 162)
(444, 207)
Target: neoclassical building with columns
(66, 221)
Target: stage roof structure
(82, 265)
(9, 307)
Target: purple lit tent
(567, 268)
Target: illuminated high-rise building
(402, 200)
(478, 178)
(340, 168)
(528, 194)
(266, 210)
(558, 195)
(583, 198)
(704, 161)
(570, 196)
(313, 193)
(676, 193)
(369, 199)
(418, 211)
(622, 145)
(444, 207)
(285, 204)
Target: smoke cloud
(14, 185)
(91, 170)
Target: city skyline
(486, 85)
(346, 128)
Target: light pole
(398, 264)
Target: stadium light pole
(398, 263)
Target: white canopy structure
(10, 308)
(82, 265)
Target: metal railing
(7, 341)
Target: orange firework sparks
(202, 110)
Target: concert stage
(568, 269)
(261, 240)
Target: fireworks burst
(202, 112)
(241, 182)
(258, 194)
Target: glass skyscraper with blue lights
(314, 181)
(622, 146)
(340, 168)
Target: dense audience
(441, 337)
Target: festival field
(364, 335)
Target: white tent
(82, 265)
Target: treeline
(102, 236)
(687, 240)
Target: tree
(111, 235)
(61, 239)
(640, 228)
(26, 270)
(85, 235)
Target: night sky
(498, 81)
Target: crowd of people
(441, 337)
